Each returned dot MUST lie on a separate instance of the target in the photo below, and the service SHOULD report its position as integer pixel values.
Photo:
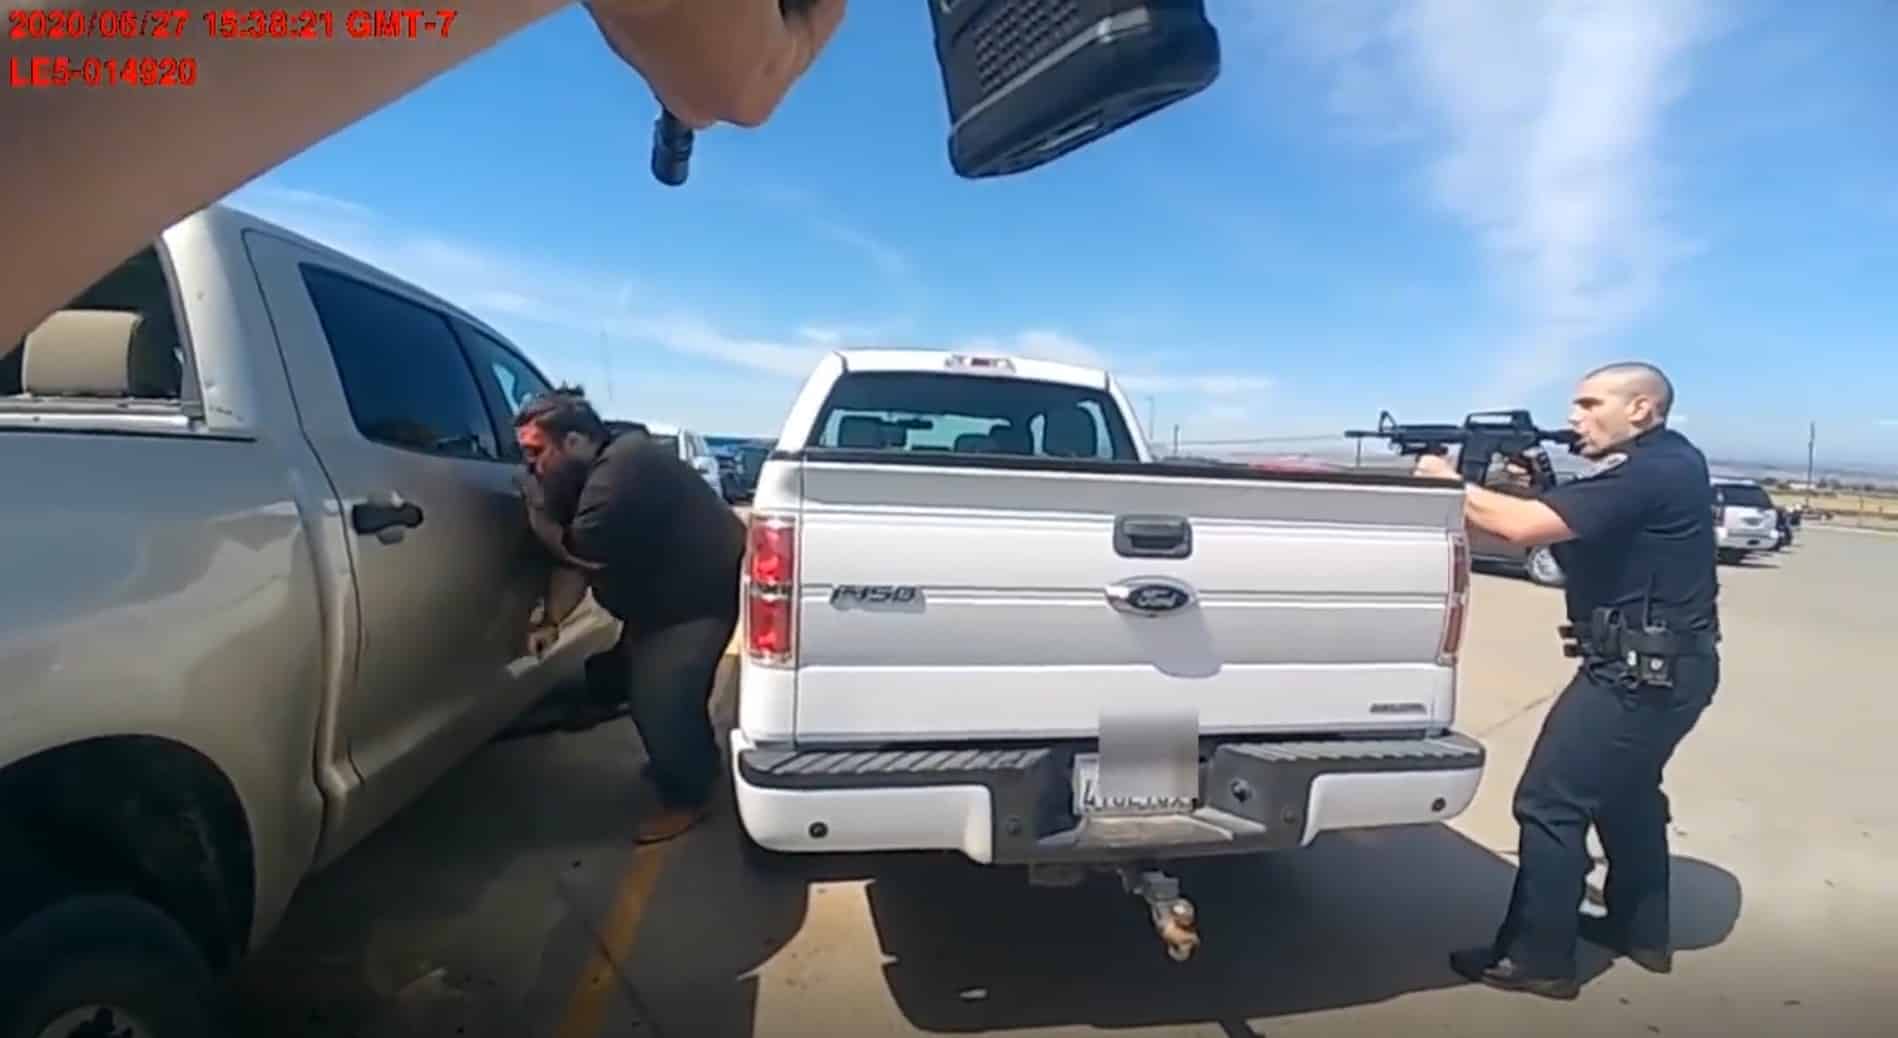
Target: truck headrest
(861, 431)
(101, 353)
(1068, 432)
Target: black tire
(129, 961)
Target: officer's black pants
(1598, 760)
(667, 674)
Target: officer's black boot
(1600, 931)
(1484, 966)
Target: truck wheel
(104, 967)
(1542, 568)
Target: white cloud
(1212, 385)
(893, 262)
(1888, 423)
(1544, 125)
(1038, 344)
(582, 325)
(887, 258)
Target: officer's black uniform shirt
(671, 545)
(1644, 527)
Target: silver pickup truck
(266, 579)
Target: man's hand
(542, 638)
(1434, 466)
(712, 61)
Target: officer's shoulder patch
(1608, 463)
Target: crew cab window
(916, 411)
(118, 340)
(407, 382)
(506, 379)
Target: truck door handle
(388, 515)
(1153, 536)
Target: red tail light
(1457, 605)
(770, 589)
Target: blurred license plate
(1089, 800)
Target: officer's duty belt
(1608, 636)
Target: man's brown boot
(1597, 930)
(666, 823)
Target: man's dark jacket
(670, 546)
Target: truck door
(388, 399)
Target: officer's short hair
(560, 411)
(1663, 387)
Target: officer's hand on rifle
(1434, 466)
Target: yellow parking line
(586, 1006)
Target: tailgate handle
(1153, 536)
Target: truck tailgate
(959, 600)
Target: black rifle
(1483, 436)
(1028, 81)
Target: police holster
(1647, 651)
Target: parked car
(973, 602)
(267, 578)
(1486, 549)
(1745, 520)
(739, 459)
(1788, 520)
(692, 450)
(747, 464)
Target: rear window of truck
(1741, 496)
(972, 414)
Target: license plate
(1089, 801)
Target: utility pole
(1812, 439)
(1151, 429)
(1176, 439)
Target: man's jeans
(667, 675)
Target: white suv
(1744, 519)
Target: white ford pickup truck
(981, 618)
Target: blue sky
(1420, 205)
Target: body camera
(1028, 81)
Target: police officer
(661, 550)
(1635, 540)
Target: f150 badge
(876, 596)
(1150, 596)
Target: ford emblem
(1149, 596)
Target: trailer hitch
(1175, 919)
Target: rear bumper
(1014, 804)
(1747, 539)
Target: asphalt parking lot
(507, 901)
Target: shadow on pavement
(1353, 919)
(476, 909)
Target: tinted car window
(507, 379)
(403, 373)
(907, 411)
